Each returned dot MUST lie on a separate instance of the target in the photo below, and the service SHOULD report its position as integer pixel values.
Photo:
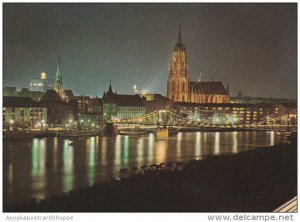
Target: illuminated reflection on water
(234, 142)
(67, 166)
(217, 143)
(39, 167)
(91, 162)
(198, 144)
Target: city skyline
(232, 43)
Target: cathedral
(181, 89)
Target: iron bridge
(167, 118)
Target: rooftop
(14, 101)
(208, 87)
(129, 100)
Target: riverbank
(49, 133)
(253, 181)
(14, 135)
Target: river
(40, 167)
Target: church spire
(58, 74)
(110, 88)
(109, 92)
(58, 80)
(179, 34)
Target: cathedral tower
(58, 81)
(178, 81)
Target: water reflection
(125, 151)
(38, 153)
(91, 164)
(204, 137)
(140, 151)
(42, 157)
(118, 145)
(161, 151)
(103, 150)
(35, 157)
(272, 138)
(99, 158)
(234, 142)
(217, 143)
(67, 166)
(10, 176)
(151, 140)
(198, 145)
(55, 147)
(178, 145)
(38, 166)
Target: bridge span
(169, 119)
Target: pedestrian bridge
(161, 118)
(167, 118)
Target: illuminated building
(68, 95)
(42, 84)
(181, 89)
(116, 106)
(129, 106)
(23, 112)
(59, 112)
(234, 113)
(83, 103)
(156, 102)
(90, 111)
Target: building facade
(90, 112)
(59, 112)
(42, 84)
(156, 102)
(23, 112)
(181, 89)
(235, 113)
(129, 106)
(116, 106)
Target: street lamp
(11, 122)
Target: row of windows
(229, 108)
(129, 109)
(129, 115)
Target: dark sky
(252, 47)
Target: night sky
(251, 47)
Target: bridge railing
(169, 118)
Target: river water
(39, 167)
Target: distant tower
(58, 80)
(135, 90)
(178, 80)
